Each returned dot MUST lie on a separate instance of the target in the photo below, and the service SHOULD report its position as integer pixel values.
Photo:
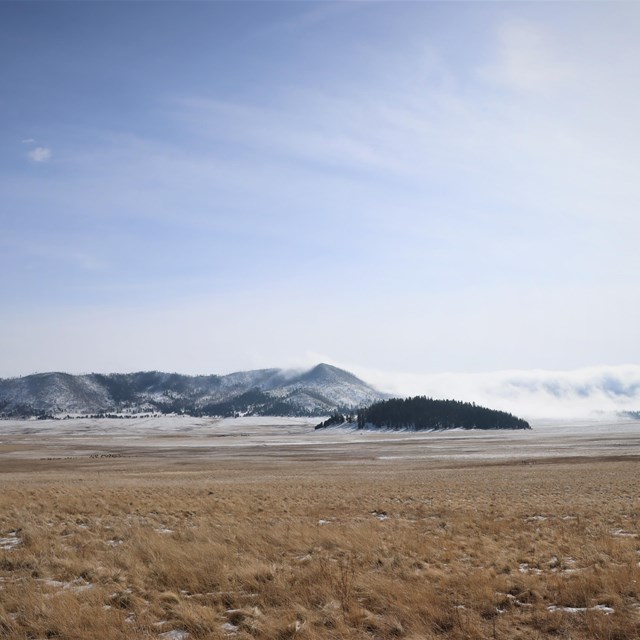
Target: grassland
(193, 529)
(277, 548)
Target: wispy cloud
(40, 154)
(465, 198)
(528, 60)
(306, 19)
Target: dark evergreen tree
(422, 413)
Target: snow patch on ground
(11, 541)
(525, 568)
(621, 533)
(602, 608)
(224, 438)
(76, 585)
(555, 565)
(513, 600)
(175, 634)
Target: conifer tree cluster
(422, 413)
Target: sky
(408, 187)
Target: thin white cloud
(528, 60)
(29, 141)
(40, 154)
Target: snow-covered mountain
(318, 391)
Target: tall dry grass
(378, 552)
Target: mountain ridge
(320, 390)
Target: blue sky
(399, 186)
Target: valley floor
(185, 528)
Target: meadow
(297, 544)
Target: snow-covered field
(255, 437)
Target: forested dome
(422, 413)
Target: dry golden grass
(296, 551)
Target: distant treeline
(251, 403)
(422, 413)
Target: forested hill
(318, 391)
(421, 413)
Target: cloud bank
(591, 392)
